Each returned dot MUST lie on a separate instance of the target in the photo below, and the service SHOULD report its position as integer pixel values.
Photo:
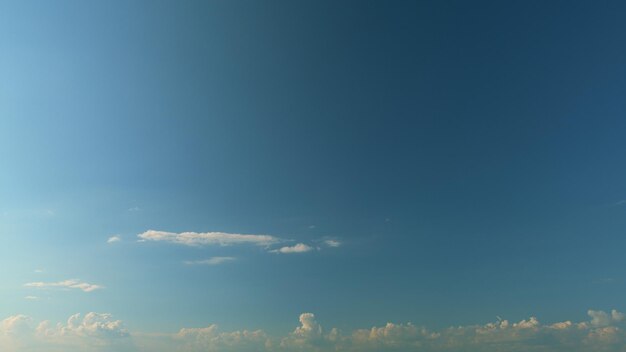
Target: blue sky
(441, 163)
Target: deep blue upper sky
(469, 156)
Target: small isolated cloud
(332, 243)
(114, 239)
(38, 271)
(298, 248)
(133, 209)
(211, 261)
(198, 239)
(31, 298)
(66, 284)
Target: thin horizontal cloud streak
(198, 239)
(211, 261)
(67, 284)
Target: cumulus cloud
(207, 238)
(210, 339)
(603, 319)
(93, 332)
(298, 248)
(308, 335)
(100, 332)
(114, 239)
(211, 261)
(66, 284)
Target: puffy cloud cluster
(599, 334)
(307, 336)
(99, 332)
(207, 238)
(67, 284)
(93, 332)
(210, 339)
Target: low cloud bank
(100, 332)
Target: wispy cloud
(211, 261)
(332, 243)
(67, 284)
(114, 239)
(31, 298)
(298, 248)
(207, 238)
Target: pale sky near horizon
(298, 166)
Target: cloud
(211, 339)
(31, 298)
(114, 239)
(306, 336)
(602, 319)
(523, 336)
(67, 284)
(211, 261)
(207, 238)
(100, 332)
(91, 333)
(298, 248)
(332, 243)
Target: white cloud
(100, 332)
(602, 319)
(298, 248)
(211, 261)
(207, 238)
(332, 243)
(307, 335)
(31, 298)
(210, 339)
(67, 284)
(93, 333)
(114, 239)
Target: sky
(312, 176)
